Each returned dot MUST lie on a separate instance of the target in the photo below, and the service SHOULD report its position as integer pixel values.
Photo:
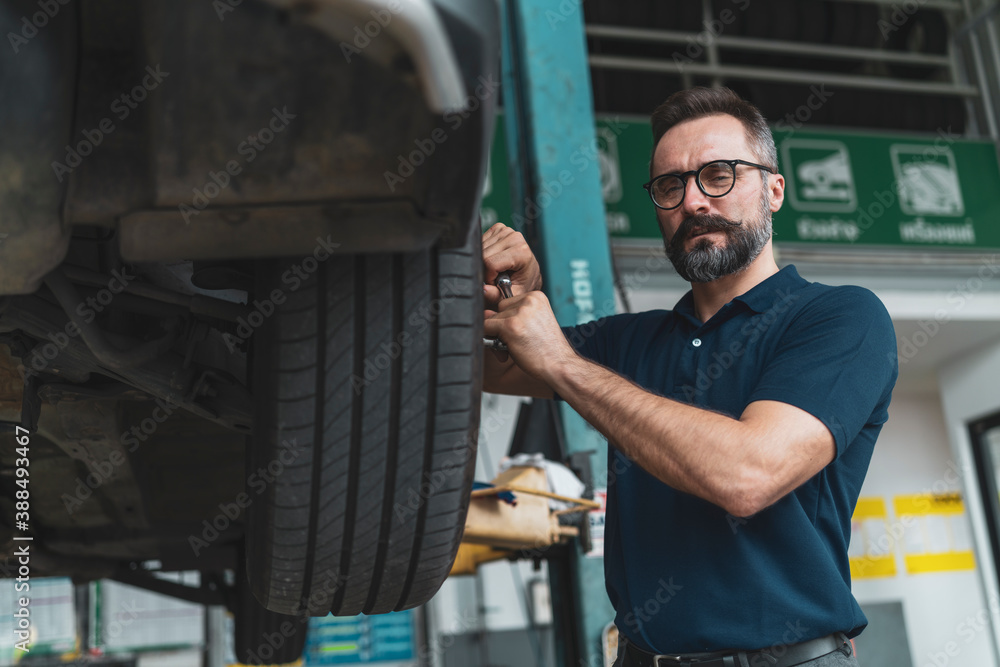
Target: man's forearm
(742, 466)
(504, 377)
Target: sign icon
(819, 175)
(928, 180)
(611, 173)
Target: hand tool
(503, 283)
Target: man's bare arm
(742, 465)
(506, 378)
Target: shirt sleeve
(837, 361)
(603, 341)
(591, 339)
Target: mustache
(707, 223)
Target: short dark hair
(699, 102)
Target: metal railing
(977, 46)
(969, 69)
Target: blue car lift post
(557, 204)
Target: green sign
(842, 189)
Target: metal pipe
(768, 45)
(199, 304)
(961, 73)
(993, 78)
(713, 44)
(977, 60)
(948, 5)
(782, 76)
(110, 356)
(974, 22)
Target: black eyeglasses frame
(697, 174)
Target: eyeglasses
(715, 179)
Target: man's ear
(776, 184)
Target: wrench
(504, 284)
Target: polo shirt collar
(765, 295)
(758, 298)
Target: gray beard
(706, 262)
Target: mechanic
(751, 410)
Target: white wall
(913, 456)
(970, 390)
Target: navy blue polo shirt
(683, 574)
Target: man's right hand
(506, 250)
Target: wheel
(367, 384)
(262, 637)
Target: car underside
(240, 283)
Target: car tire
(367, 382)
(262, 637)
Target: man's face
(710, 237)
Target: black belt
(780, 655)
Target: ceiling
(922, 355)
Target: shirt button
(696, 342)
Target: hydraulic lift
(558, 206)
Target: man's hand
(527, 325)
(506, 250)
